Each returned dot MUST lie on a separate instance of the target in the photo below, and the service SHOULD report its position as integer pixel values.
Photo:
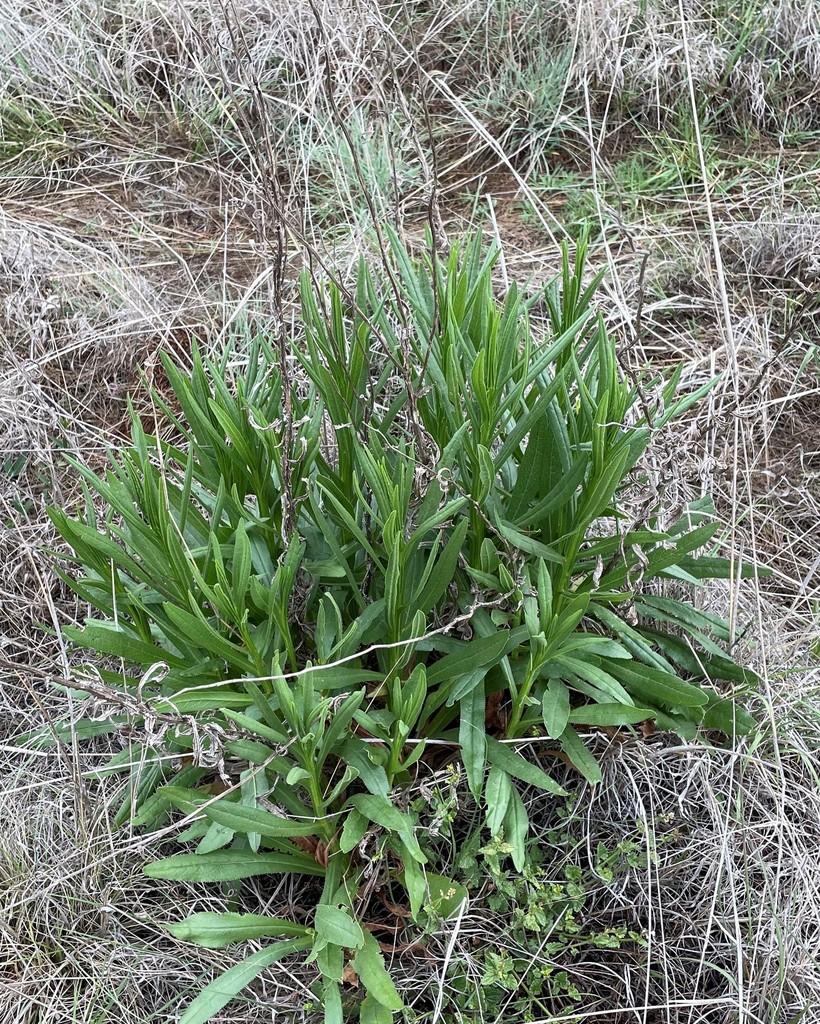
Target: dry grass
(138, 144)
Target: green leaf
(335, 926)
(505, 756)
(679, 613)
(217, 930)
(714, 568)
(528, 422)
(436, 518)
(65, 732)
(105, 638)
(497, 794)
(590, 672)
(353, 831)
(254, 787)
(361, 756)
(560, 495)
(472, 736)
(445, 567)
(210, 700)
(253, 819)
(412, 878)
(196, 630)
(339, 726)
(334, 1011)
(372, 1012)
(683, 404)
(661, 560)
(482, 653)
(590, 645)
(241, 568)
(516, 827)
(330, 960)
(609, 714)
(228, 985)
(353, 527)
(543, 464)
(369, 965)
(555, 708)
(525, 543)
(677, 724)
(562, 627)
(88, 542)
(446, 895)
(215, 838)
(728, 717)
(543, 584)
(576, 751)
(464, 686)
(262, 729)
(378, 809)
(230, 865)
(601, 490)
(653, 686)
(186, 799)
(340, 677)
(630, 638)
(697, 663)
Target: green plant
(542, 923)
(420, 537)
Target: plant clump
(322, 586)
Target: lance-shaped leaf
(218, 930)
(369, 965)
(505, 757)
(231, 865)
(229, 984)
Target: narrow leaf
(353, 831)
(482, 653)
(472, 736)
(230, 865)
(577, 752)
(555, 708)
(509, 760)
(653, 686)
(253, 819)
(609, 714)
(381, 811)
(217, 930)
(228, 985)
(442, 575)
(369, 965)
(105, 638)
(727, 716)
(516, 827)
(497, 793)
(334, 1011)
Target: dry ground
(149, 152)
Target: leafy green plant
(422, 536)
(542, 923)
